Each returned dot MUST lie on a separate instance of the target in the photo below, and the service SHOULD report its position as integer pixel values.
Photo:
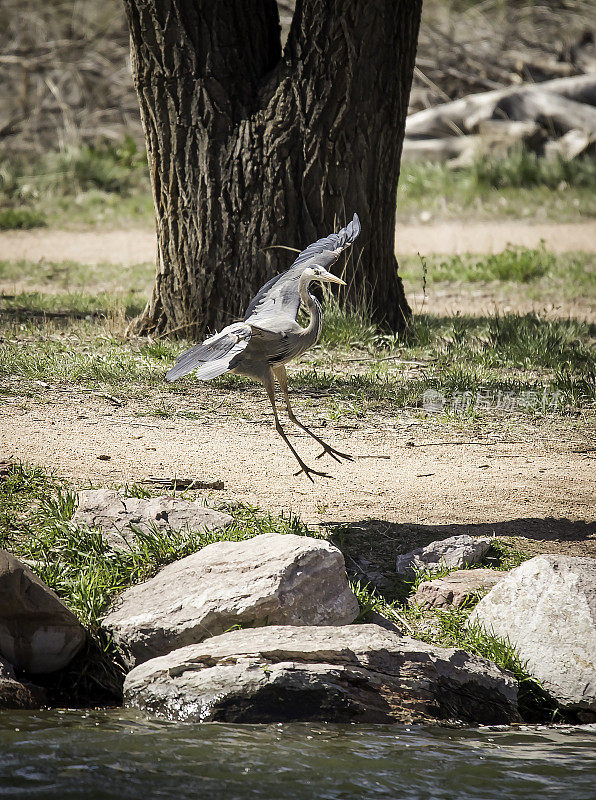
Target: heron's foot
(336, 455)
(309, 472)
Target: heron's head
(317, 273)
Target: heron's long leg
(308, 471)
(282, 378)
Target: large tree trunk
(249, 149)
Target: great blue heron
(269, 335)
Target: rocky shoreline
(262, 630)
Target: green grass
(451, 629)
(113, 168)
(66, 322)
(518, 264)
(503, 556)
(517, 186)
(64, 276)
(554, 276)
(524, 169)
(512, 358)
(72, 304)
(103, 183)
(528, 341)
(502, 355)
(108, 183)
(21, 218)
(353, 329)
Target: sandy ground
(135, 246)
(525, 479)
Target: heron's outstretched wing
(280, 294)
(215, 355)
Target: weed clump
(21, 218)
(525, 169)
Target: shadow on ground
(370, 546)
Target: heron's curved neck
(313, 307)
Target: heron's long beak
(329, 278)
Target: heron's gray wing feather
(280, 294)
(214, 356)
(211, 369)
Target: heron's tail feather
(214, 356)
(187, 362)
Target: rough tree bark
(250, 148)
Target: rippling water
(117, 754)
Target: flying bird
(269, 335)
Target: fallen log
(554, 112)
(495, 137)
(464, 115)
(571, 145)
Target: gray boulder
(38, 633)
(547, 608)
(453, 590)
(353, 673)
(268, 580)
(106, 509)
(456, 551)
(14, 694)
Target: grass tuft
(530, 341)
(503, 556)
(86, 183)
(519, 264)
(21, 218)
(525, 169)
(453, 630)
(513, 186)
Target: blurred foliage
(87, 182)
(21, 218)
(524, 169)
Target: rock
(6, 671)
(17, 695)
(14, 694)
(454, 589)
(456, 551)
(352, 673)
(547, 608)
(270, 579)
(37, 631)
(106, 509)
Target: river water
(117, 754)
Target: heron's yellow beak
(329, 278)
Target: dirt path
(137, 245)
(521, 479)
(484, 299)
